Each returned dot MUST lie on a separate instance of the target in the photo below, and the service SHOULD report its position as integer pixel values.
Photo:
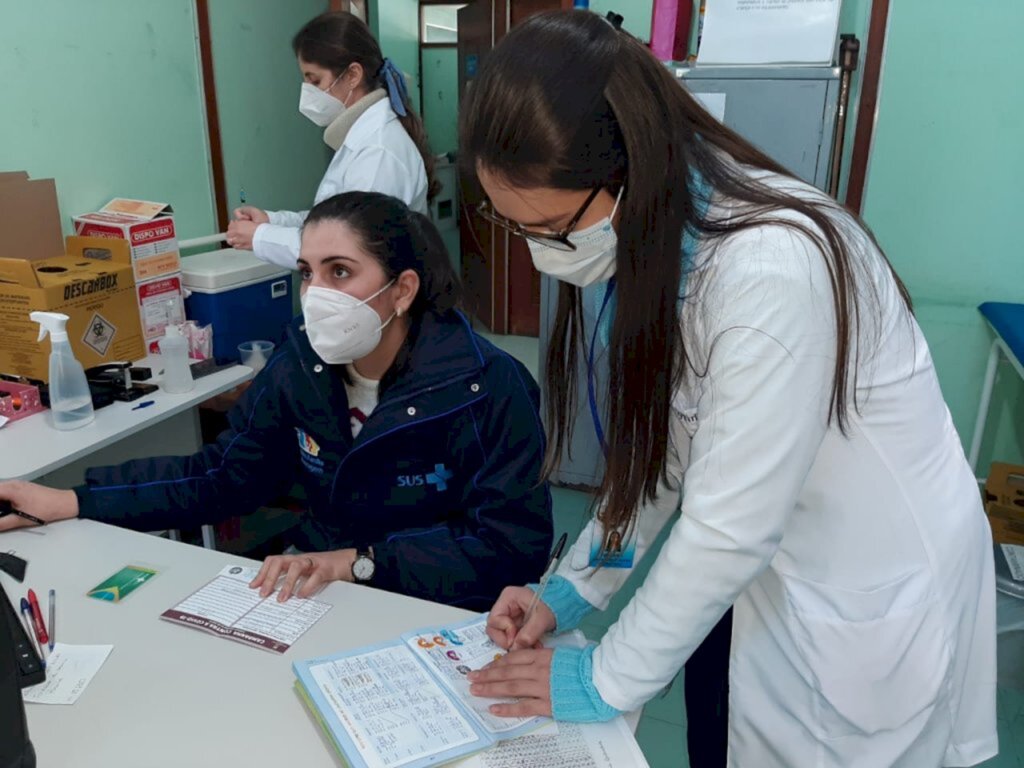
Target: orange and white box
(149, 229)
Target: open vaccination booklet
(407, 704)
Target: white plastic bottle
(70, 399)
(177, 377)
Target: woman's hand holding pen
(507, 623)
(24, 504)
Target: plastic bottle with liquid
(70, 399)
(177, 377)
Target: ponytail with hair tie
(394, 81)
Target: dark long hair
(398, 238)
(336, 40)
(565, 101)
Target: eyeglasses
(557, 240)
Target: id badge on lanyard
(614, 548)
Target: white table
(32, 447)
(171, 696)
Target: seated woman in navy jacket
(418, 443)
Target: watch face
(363, 569)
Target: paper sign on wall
(769, 32)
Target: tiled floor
(662, 731)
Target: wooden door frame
(867, 107)
(217, 172)
(361, 8)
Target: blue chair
(1007, 321)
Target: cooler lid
(226, 268)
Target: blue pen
(26, 615)
(144, 405)
(53, 618)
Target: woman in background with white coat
(760, 345)
(359, 98)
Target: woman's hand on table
(46, 504)
(522, 675)
(314, 570)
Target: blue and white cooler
(242, 297)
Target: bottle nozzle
(53, 323)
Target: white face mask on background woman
(340, 327)
(319, 105)
(593, 261)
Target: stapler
(116, 378)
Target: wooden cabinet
(502, 288)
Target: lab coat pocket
(877, 659)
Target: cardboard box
(1004, 503)
(97, 296)
(148, 227)
(161, 303)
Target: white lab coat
(860, 566)
(376, 156)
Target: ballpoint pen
(26, 615)
(53, 618)
(37, 618)
(6, 508)
(556, 553)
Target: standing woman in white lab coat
(767, 369)
(360, 100)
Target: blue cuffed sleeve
(574, 698)
(565, 602)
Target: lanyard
(591, 394)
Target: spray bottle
(70, 399)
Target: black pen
(548, 573)
(6, 508)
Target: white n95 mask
(341, 328)
(593, 261)
(319, 106)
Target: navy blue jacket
(442, 480)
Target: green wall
(441, 98)
(636, 14)
(105, 97)
(271, 152)
(944, 192)
(396, 24)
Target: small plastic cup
(255, 354)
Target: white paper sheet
(769, 32)
(714, 103)
(1015, 559)
(229, 608)
(69, 670)
(570, 745)
(390, 707)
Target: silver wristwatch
(363, 567)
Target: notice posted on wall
(738, 32)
